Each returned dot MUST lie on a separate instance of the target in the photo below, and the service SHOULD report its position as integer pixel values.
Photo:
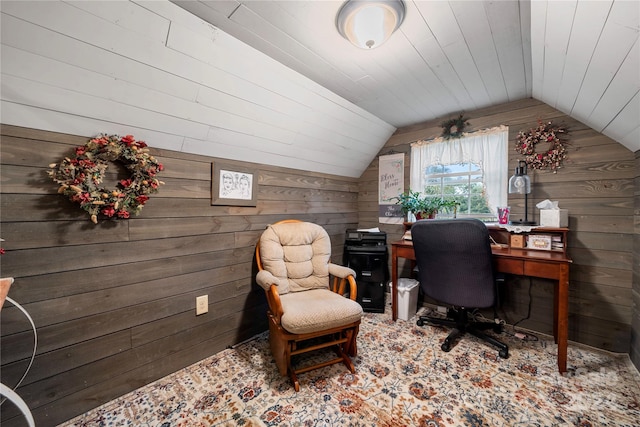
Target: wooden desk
(523, 262)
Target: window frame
(486, 148)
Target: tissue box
(554, 217)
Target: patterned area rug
(402, 379)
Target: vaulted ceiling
(580, 57)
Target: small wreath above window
(80, 177)
(459, 123)
(552, 151)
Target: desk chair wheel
(504, 353)
(446, 347)
(420, 322)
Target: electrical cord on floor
(520, 334)
(528, 305)
(506, 328)
(477, 316)
(523, 335)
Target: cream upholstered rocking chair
(305, 312)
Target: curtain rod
(441, 139)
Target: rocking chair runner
(305, 313)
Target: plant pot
(422, 215)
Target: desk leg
(394, 281)
(556, 298)
(562, 313)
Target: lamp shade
(368, 24)
(520, 182)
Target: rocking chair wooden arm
(341, 275)
(275, 306)
(339, 284)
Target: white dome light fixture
(368, 24)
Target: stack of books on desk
(557, 243)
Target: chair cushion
(297, 254)
(317, 310)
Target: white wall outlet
(202, 304)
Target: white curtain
(487, 148)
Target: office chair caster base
(446, 347)
(420, 322)
(504, 353)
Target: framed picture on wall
(233, 186)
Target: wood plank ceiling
(162, 74)
(448, 57)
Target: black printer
(374, 241)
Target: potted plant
(408, 201)
(450, 204)
(414, 202)
(422, 206)
(429, 207)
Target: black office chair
(455, 267)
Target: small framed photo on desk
(516, 241)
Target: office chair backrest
(454, 261)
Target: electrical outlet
(202, 304)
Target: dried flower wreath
(80, 177)
(545, 133)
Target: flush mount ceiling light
(368, 24)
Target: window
(471, 170)
(461, 183)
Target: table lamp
(520, 183)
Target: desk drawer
(547, 270)
(510, 266)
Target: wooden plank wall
(635, 322)
(114, 303)
(596, 186)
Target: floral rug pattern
(402, 378)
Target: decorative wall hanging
(552, 140)
(80, 177)
(233, 185)
(459, 123)
(390, 185)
